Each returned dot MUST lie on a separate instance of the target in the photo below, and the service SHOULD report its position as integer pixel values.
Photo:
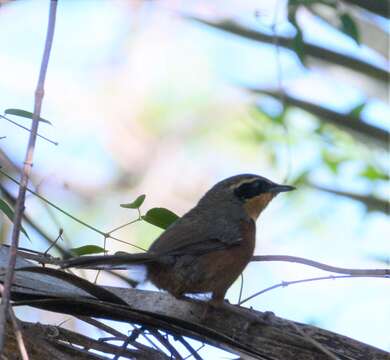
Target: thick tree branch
(236, 329)
(28, 162)
(248, 333)
(310, 49)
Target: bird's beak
(276, 188)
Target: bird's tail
(117, 261)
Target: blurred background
(165, 98)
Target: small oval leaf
(136, 204)
(25, 114)
(7, 210)
(160, 217)
(87, 249)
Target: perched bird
(207, 249)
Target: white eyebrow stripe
(246, 181)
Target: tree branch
(242, 331)
(346, 121)
(28, 162)
(325, 267)
(318, 278)
(371, 202)
(379, 7)
(310, 49)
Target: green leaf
(357, 110)
(349, 27)
(372, 173)
(332, 161)
(25, 114)
(298, 46)
(301, 179)
(136, 204)
(87, 249)
(160, 217)
(7, 210)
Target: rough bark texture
(248, 333)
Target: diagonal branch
(310, 49)
(28, 162)
(371, 202)
(378, 7)
(345, 121)
(42, 232)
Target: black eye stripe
(252, 189)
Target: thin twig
(18, 335)
(241, 287)
(165, 342)
(287, 283)
(19, 209)
(122, 226)
(318, 265)
(197, 350)
(118, 335)
(29, 130)
(104, 234)
(54, 242)
(193, 352)
(31, 222)
(17, 331)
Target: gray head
(253, 192)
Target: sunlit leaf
(87, 249)
(332, 161)
(349, 27)
(357, 110)
(160, 217)
(136, 203)
(25, 114)
(372, 173)
(7, 210)
(301, 178)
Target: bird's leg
(217, 301)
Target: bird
(205, 250)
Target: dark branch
(379, 7)
(371, 202)
(345, 121)
(310, 49)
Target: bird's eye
(251, 189)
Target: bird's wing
(188, 235)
